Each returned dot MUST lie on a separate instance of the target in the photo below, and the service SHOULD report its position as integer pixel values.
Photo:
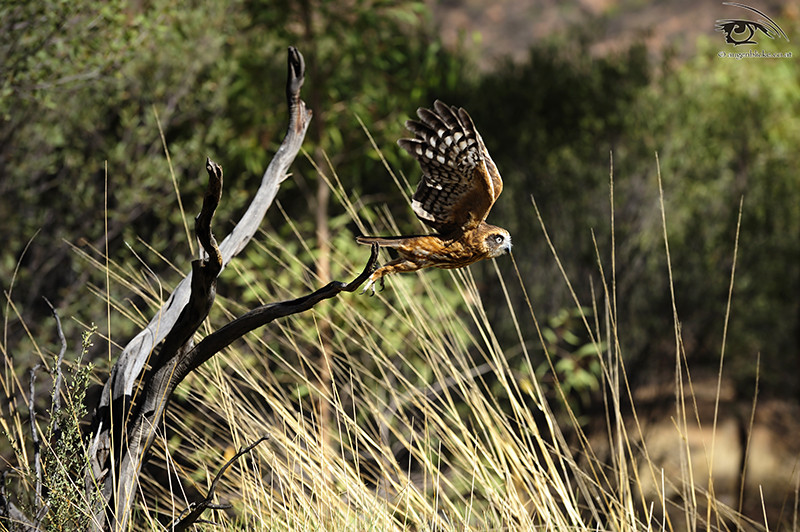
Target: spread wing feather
(460, 182)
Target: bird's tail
(382, 241)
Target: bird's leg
(395, 266)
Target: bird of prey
(459, 185)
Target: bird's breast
(442, 252)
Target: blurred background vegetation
(84, 86)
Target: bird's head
(497, 241)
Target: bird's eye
(498, 239)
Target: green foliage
(83, 84)
(65, 460)
(725, 132)
(208, 74)
(59, 452)
(575, 365)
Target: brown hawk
(460, 183)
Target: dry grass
(431, 427)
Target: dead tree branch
(195, 510)
(59, 376)
(163, 381)
(134, 357)
(37, 444)
(139, 387)
(116, 429)
(135, 397)
(138, 428)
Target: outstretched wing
(460, 182)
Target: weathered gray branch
(37, 445)
(59, 375)
(123, 428)
(137, 435)
(134, 356)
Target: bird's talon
(370, 285)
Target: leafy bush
(724, 130)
